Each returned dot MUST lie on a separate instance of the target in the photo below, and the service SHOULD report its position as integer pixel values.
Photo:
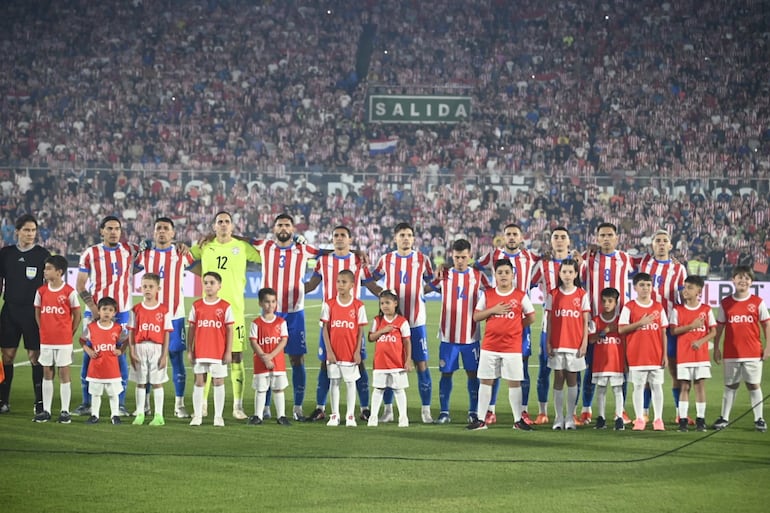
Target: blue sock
(387, 395)
(588, 388)
(544, 378)
(298, 380)
(647, 398)
(625, 390)
(425, 385)
(495, 389)
(323, 387)
(179, 372)
(675, 392)
(473, 395)
(525, 384)
(444, 391)
(362, 385)
(123, 379)
(268, 397)
(83, 381)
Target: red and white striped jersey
(741, 319)
(328, 266)
(283, 269)
(602, 271)
(405, 275)
(169, 265)
(150, 324)
(110, 272)
(460, 293)
(546, 274)
(523, 264)
(667, 279)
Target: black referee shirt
(22, 272)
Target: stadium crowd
(644, 114)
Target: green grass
(310, 467)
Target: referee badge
(236, 251)
(31, 273)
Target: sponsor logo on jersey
(741, 319)
(55, 310)
(751, 308)
(208, 323)
(509, 315)
(387, 337)
(611, 340)
(653, 326)
(104, 347)
(338, 323)
(148, 326)
(564, 312)
(273, 341)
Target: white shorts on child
(148, 354)
(396, 379)
(747, 371)
(640, 377)
(270, 380)
(99, 387)
(493, 365)
(55, 356)
(686, 372)
(608, 379)
(567, 361)
(214, 368)
(346, 371)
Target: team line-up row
(594, 330)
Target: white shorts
(493, 365)
(686, 372)
(216, 369)
(111, 387)
(397, 379)
(346, 371)
(749, 372)
(641, 377)
(148, 372)
(58, 356)
(567, 361)
(277, 381)
(611, 380)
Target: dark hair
(389, 293)
(642, 277)
(107, 301)
(611, 292)
(503, 262)
(698, 281)
(513, 225)
(22, 220)
(461, 245)
(165, 220)
(152, 277)
(403, 226)
(342, 227)
(743, 269)
(560, 229)
(214, 275)
(107, 219)
(572, 262)
(223, 212)
(58, 262)
(607, 225)
(283, 216)
(266, 291)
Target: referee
(21, 273)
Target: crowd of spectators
(643, 113)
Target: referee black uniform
(22, 274)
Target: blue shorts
(670, 344)
(526, 342)
(322, 347)
(295, 324)
(419, 340)
(177, 338)
(121, 318)
(449, 356)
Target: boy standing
(211, 343)
(739, 318)
(57, 312)
(343, 320)
(609, 360)
(148, 334)
(694, 326)
(644, 322)
(268, 337)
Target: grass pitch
(310, 467)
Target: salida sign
(385, 108)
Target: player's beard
(283, 236)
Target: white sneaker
(334, 420)
(570, 423)
(351, 421)
(387, 416)
(373, 421)
(205, 411)
(558, 424)
(403, 421)
(239, 414)
(427, 418)
(219, 422)
(196, 421)
(181, 412)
